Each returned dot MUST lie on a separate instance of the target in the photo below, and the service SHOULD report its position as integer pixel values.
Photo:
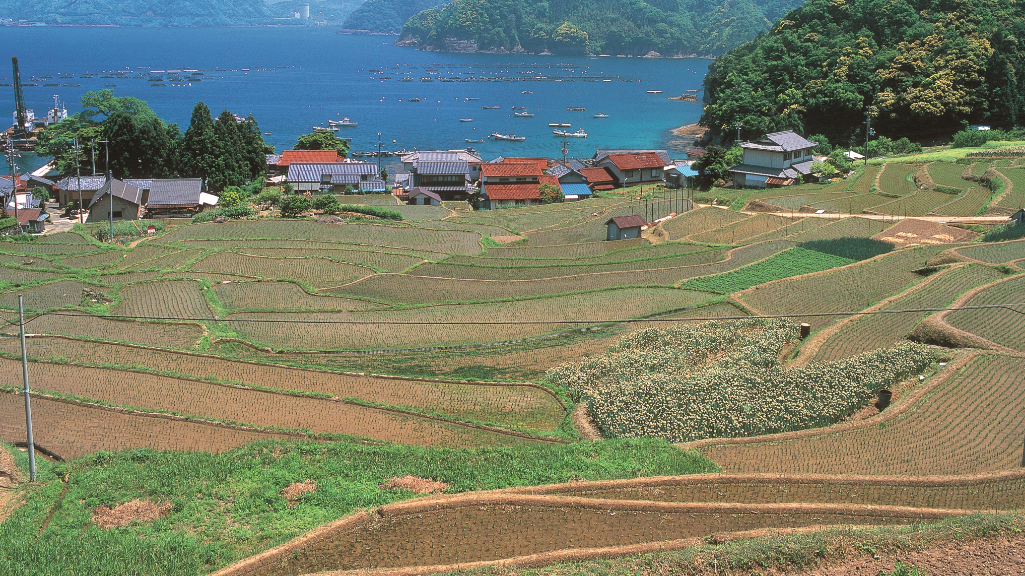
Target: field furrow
(177, 299)
(317, 272)
(739, 232)
(1003, 325)
(69, 323)
(969, 424)
(995, 253)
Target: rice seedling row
(317, 272)
(995, 253)
(852, 204)
(896, 179)
(144, 252)
(968, 204)
(1001, 325)
(352, 252)
(46, 248)
(792, 262)
(97, 260)
(483, 229)
(970, 424)
(851, 227)
(62, 294)
(413, 213)
(919, 203)
(947, 174)
(796, 201)
(517, 406)
(488, 531)
(979, 168)
(695, 256)
(539, 217)
(379, 261)
(593, 229)
(1014, 199)
(865, 179)
(179, 299)
(27, 261)
(169, 261)
(991, 494)
(700, 221)
(162, 334)
(63, 238)
(257, 408)
(474, 322)
(848, 289)
(71, 431)
(124, 278)
(566, 251)
(739, 232)
(644, 252)
(447, 241)
(19, 276)
(281, 296)
(876, 331)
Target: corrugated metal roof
(341, 179)
(579, 189)
(312, 171)
(120, 189)
(432, 168)
(375, 185)
(438, 188)
(175, 192)
(441, 156)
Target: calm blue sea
(293, 79)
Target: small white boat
(654, 91)
(468, 141)
(343, 122)
(508, 137)
(523, 114)
(466, 119)
(578, 134)
(326, 128)
(600, 115)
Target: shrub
(233, 196)
(269, 197)
(1010, 231)
(379, 212)
(328, 204)
(289, 190)
(294, 205)
(968, 139)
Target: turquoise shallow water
(299, 78)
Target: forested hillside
(139, 12)
(925, 66)
(669, 27)
(386, 16)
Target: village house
(598, 178)
(635, 168)
(127, 202)
(449, 180)
(573, 184)
(32, 220)
(513, 183)
(80, 190)
(777, 159)
(135, 198)
(277, 165)
(336, 177)
(472, 159)
(624, 227)
(423, 197)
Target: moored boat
(600, 115)
(466, 119)
(578, 134)
(523, 114)
(508, 137)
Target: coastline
(694, 131)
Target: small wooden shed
(624, 227)
(1019, 217)
(424, 197)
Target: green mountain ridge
(631, 27)
(926, 67)
(386, 16)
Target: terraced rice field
(456, 325)
(795, 202)
(409, 289)
(1005, 326)
(541, 217)
(414, 213)
(739, 232)
(378, 261)
(147, 392)
(624, 254)
(281, 296)
(352, 253)
(896, 179)
(918, 204)
(71, 430)
(144, 252)
(45, 248)
(447, 241)
(97, 260)
(125, 278)
(865, 180)
(979, 168)
(968, 204)
(176, 299)
(566, 251)
(317, 272)
(170, 261)
(849, 289)
(969, 424)
(867, 333)
(700, 221)
(162, 334)
(945, 174)
(56, 295)
(593, 229)
(483, 229)
(16, 277)
(27, 261)
(996, 252)
(1014, 199)
(852, 227)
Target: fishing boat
(508, 137)
(343, 122)
(466, 119)
(519, 107)
(523, 114)
(468, 141)
(575, 108)
(468, 99)
(490, 107)
(578, 134)
(326, 128)
(525, 92)
(600, 115)
(413, 100)
(654, 91)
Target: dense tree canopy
(668, 27)
(924, 67)
(323, 140)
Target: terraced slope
(1003, 325)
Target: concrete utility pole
(110, 186)
(868, 128)
(11, 154)
(28, 402)
(78, 170)
(738, 126)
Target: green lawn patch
(793, 262)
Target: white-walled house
(777, 159)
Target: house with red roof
(634, 168)
(277, 166)
(506, 184)
(598, 178)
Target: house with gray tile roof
(126, 202)
(73, 188)
(450, 178)
(320, 176)
(777, 159)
